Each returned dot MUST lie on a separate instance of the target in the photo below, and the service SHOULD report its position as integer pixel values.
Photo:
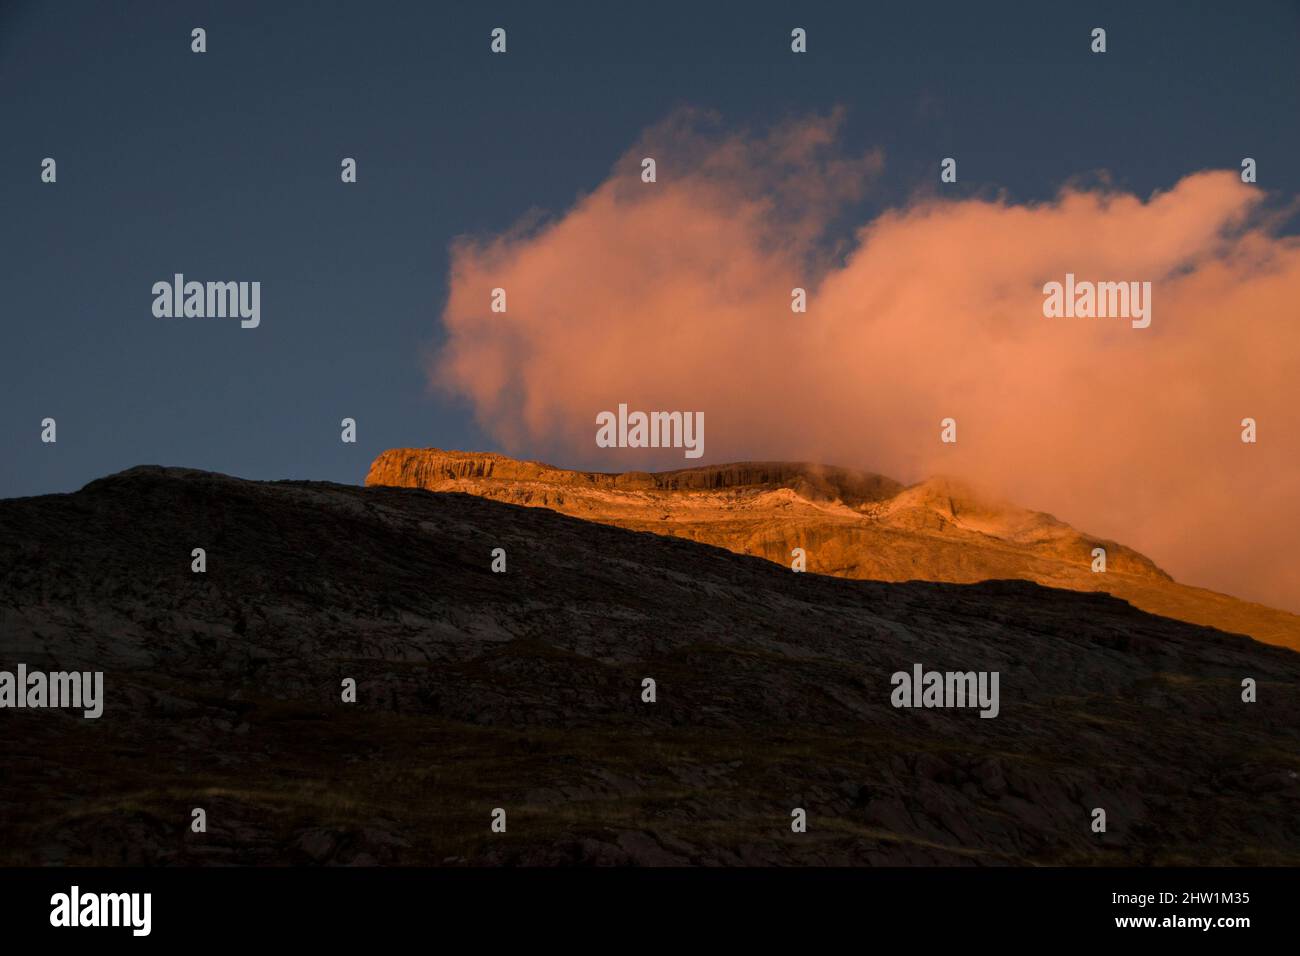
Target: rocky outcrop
(850, 524)
(432, 468)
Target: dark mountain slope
(523, 691)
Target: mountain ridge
(850, 523)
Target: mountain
(523, 691)
(850, 524)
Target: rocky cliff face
(523, 690)
(850, 524)
(430, 468)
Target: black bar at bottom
(934, 904)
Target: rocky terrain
(850, 524)
(523, 690)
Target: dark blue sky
(226, 166)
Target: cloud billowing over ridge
(676, 296)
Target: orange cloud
(676, 295)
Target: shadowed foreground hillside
(522, 690)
